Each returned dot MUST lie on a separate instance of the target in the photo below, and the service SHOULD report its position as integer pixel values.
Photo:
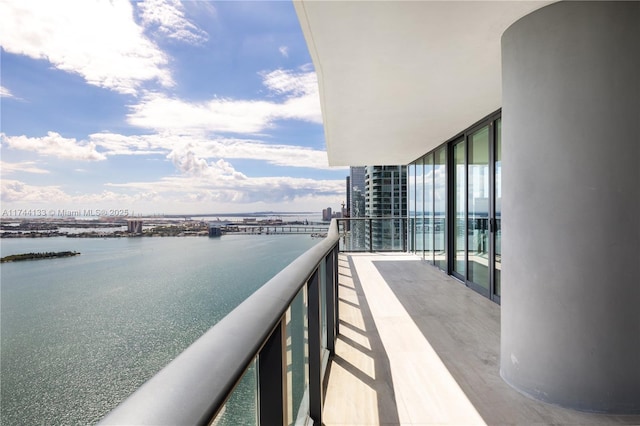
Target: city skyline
(186, 107)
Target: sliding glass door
(419, 240)
(483, 171)
(440, 208)
(456, 193)
(428, 208)
(459, 209)
(497, 216)
(478, 207)
(476, 195)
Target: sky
(160, 107)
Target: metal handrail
(193, 388)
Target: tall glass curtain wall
(464, 204)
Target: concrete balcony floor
(416, 347)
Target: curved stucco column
(571, 205)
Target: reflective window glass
(428, 207)
(419, 208)
(440, 208)
(478, 208)
(459, 228)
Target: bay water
(80, 334)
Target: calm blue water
(80, 334)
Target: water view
(80, 334)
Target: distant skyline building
(134, 226)
(327, 214)
(215, 230)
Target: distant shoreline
(37, 256)
(43, 228)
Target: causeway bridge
(316, 229)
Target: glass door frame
(492, 209)
(465, 137)
(453, 219)
(468, 138)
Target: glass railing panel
(373, 234)
(212, 377)
(388, 234)
(297, 327)
(242, 406)
(353, 235)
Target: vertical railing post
(336, 305)
(315, 350)
(403, 233)
(272, 378)
(330, 300)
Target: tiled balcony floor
(416, 347)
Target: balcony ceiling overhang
(399, 78)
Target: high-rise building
(386, 191)
(386, 197)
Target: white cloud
(289, 82)
(116, 144)
(211, 148)
(16, 191)
(180, 194)
(302, 101)
(54, 196)
(279, 155)
(220, 182)
(55, 145)
(189, 164)
(99, 146)
(226, 189)
(299, 91)
(96, 39)
(167, 17)
(24, 166)
(159, 112)
(284, 51)
(5, 93)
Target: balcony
(349, 339)
(416, 347)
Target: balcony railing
(274, 348)
(369, 234)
